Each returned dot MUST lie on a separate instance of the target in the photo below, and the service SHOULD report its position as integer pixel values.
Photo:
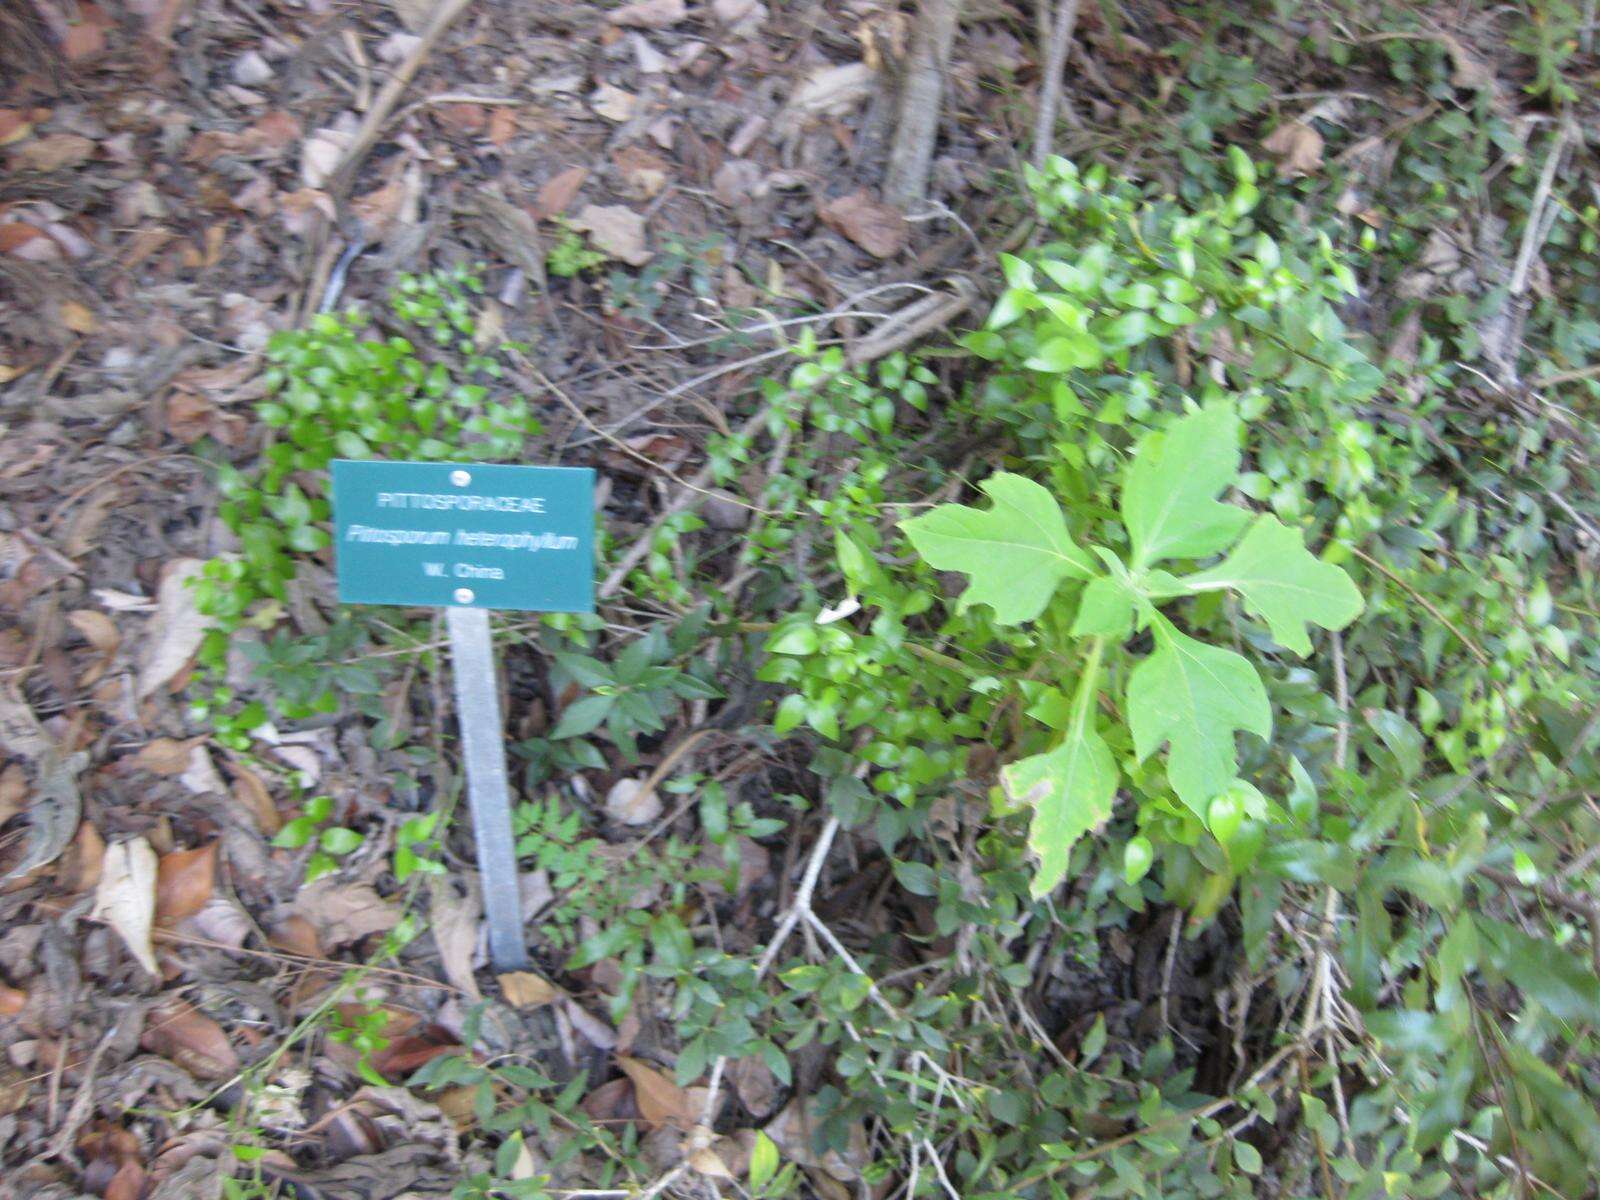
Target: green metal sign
(457, 535)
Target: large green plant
(1186, 694)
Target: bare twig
(1533, 231)
(905, 326)
(372, 124)
(799, 908)
(1581, 905)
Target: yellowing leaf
(525, 989)
(1169, 499)
(1070, 788)
(126, 897)
(1283, 583)
(76, 317)
(1017, 552)
(1193, 697)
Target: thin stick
(372, 124)
(1531, 233)
(799, 907)
(900, 330)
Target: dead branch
(372, 124)
(1044, 118)
(912, 322)
(905, 183)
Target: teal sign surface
(464, 535)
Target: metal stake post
(484, 749)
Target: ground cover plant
(1093, 691)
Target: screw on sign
(471, 539)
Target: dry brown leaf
(52, 152)
(828, 92)
(616, 230)
(181, 1032)
(345, 912)
(27, 242)
(14, 125)
(613, 103)
(453, 917)
(185, 880)
(176, 630)
(644, 172)
(661, 1101)
(221, 921)
(86, 36)
(296, 935)
(165, 756)
(502, 125)
(559, 191)
(1297, 147)
(1467, 71)
(320, 156)
(527, 989)
(754, 1084)
(792, 1130)
(99, 630)
(414, 14)
(878, 229)
(76, 317)
(190, 416)
(462, 118)
(610, 1102)
(83, 861)
(252, 794)
(649, 14)
(630, 803)
(12, 1001)
(126, 897)
(201, 776)
(13, 791)
(274, 133)
(406, 1053)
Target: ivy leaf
(1169, 499)
(1193, 697)
(1070, 790)
(1016, 552)
(1283, 583)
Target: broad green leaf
(1194, 697)
(763, 1162)
(1070, 788)
(1017, 552)
(1105, 609)
(1169, 499)
(1065, 353)
(1283, 583)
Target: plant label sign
(454, 535)
(467, 538)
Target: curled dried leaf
(126, 897)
